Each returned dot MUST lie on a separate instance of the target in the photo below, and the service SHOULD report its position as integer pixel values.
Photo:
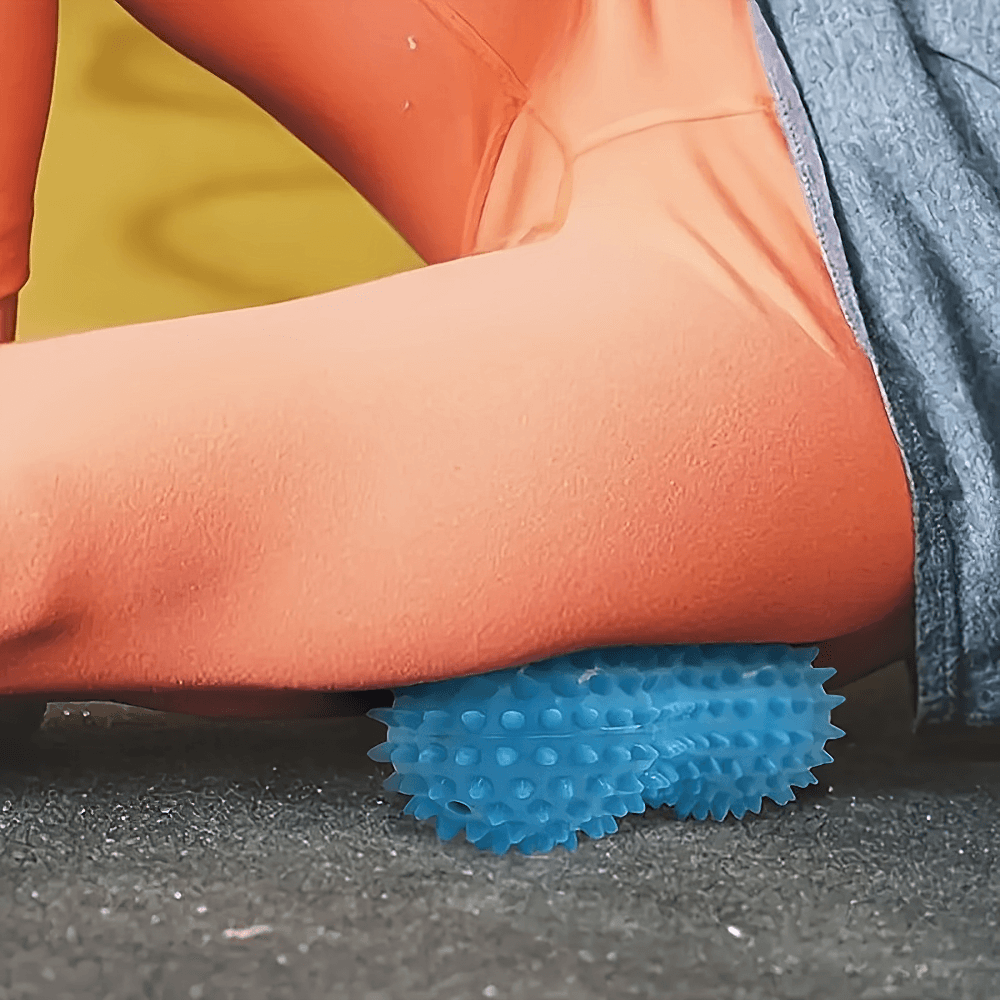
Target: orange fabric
(622, 407)
(404, 98)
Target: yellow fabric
(165, 192)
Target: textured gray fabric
(891, 110)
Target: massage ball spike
(531, 756)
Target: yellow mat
(164, 192)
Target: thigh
(653, 426)
(574, 443)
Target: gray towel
(891, 109)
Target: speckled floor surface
(144, 855)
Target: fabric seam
(517, 96)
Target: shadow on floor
(880, 746)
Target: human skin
(646, 423)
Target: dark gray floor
(133, 846)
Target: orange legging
(621, 406)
